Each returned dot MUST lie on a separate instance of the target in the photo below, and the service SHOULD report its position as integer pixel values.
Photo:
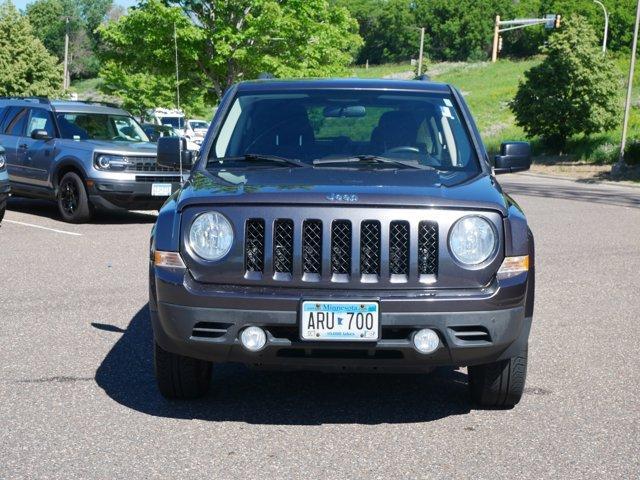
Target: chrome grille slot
(254, 248)
(370, 250)
(399, 251)
(341, 250)
(312, 250)
(283, 248)
(427, 251)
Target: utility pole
(606, 26)
(496, 37)
(175, 45)
(421, 51)
(620, 166)
(65, 80)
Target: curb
(622, 183)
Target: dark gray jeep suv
(339, 225)
(82, 155)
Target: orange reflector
(513, 265)
(167, 259)
(90, 183)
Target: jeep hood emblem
(342, 197)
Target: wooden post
(496, 37)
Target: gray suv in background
(82, 155)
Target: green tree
(26, 67)
(49, 21)
(388, 28)
(222, 42)
(462, 29)
(572, 91)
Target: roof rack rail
(98, 102)
(32, 98)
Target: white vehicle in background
(174, 118)
(195, 130)
(169, 117)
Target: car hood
(347, 187)
(121, 148)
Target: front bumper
(178, 304)
(131, 195)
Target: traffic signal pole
(550, 21)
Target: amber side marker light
(167, 259)
(512, 266)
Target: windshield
(312, 126)
(198, 124)
(97, 126)
(175, 122)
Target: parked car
(82, 155)
(5, 188)
(343, 224)
(170, 117)
(195, 130)
(155, 132)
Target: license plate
(160, 189)
(339, 321)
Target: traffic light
(557, 22)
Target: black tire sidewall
(83, 211)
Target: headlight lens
(472, 240)
(211, 236)
(3, 161)
(111, 162)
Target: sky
(21, 4)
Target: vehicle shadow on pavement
(279, 398)
(577, 193)
(47, 209)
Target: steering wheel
(403, 149)
(118, 137)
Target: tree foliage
(572, 91)
(49, 21)
(26, 67)
(222, 42)
(387, 27)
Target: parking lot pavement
(78, 399)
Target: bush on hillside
(572, 91)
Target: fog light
(426, 340)
(253, 338)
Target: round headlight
(472, 240)
(211, 236)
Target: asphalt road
(78, 398)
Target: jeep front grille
(375, 243)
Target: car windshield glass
(198, 124)
(97, 126)
(323, 127)
(175, 122)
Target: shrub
(572, 91)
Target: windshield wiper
(372, 159)
(258, 157)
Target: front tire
(499, 384)
(73, 201)
(3, 208)
(181, 377)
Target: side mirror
(170, 150)
(514, 157)
(40, 134)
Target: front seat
(396, 128)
